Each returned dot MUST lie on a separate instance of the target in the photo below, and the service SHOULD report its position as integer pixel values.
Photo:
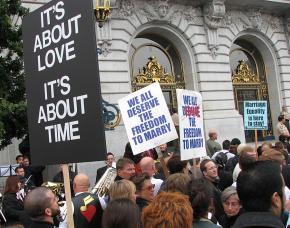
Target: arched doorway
(154, 58)
(249, 78)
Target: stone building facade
(204, 34)
(204, 42)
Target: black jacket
(227, 222)
(231, 164)
(100, 173)
(13, 210)
(141, 203)
(39, 224)
(89, 215)
(258, 219)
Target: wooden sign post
(67, 190)
(194, 168)
(256, 140)
(162, 162)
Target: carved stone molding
(161, 10)
(104, 38)
(287, 30)
(192, 15)
(212, 38)
(214, 13)
(104, 47)
(126, 8)
(274, 22)
(255, 18)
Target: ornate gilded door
(154, 72)
(156, 59)
(247, 86)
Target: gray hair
(229, 191)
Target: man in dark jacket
(87, 207)
(210, 172)
(42, 206)
(109, 162)
(260, 189)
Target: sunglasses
(150, 187)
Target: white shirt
(282, 129)
(236, 172)
(157, 183)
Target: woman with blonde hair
(168, 210)
(122, 189)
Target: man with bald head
(147, 165)
(211, 144)
(87, 210)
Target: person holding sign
(148, 166)
(282, 130)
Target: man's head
(147, 165)
(248, 156)
(109, 159)
(209, 170)
(235, 142)
(19, 159)
(125, 168)
(26, 161)
(163, 147)
(273, 155)
(175, 165)
(281, 119)
(41, 204)
(212, 134)
(266, 146)
(226, 144)
(261, 188)
(81, 183)
(20, 171)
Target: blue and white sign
(147, 119)
(192, 144)
(255, 115)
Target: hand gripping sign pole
(162, 162)
(194, 167)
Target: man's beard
(56, 215)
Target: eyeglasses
(150, 187)
(231, 204)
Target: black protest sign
(62, 84)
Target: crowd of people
(236, 185)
